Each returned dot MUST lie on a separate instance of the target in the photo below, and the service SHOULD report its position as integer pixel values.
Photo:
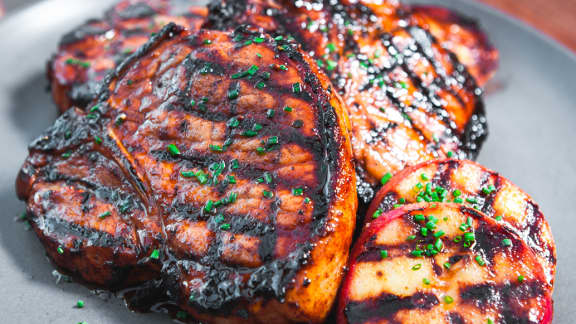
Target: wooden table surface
(557, 18)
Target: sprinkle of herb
(411, 237)
(260, 85)
(60, 250)
(386, 178)
(331, 47)
(458, 200)
(296, 87)
(426, 281)
(267, 177)
(233, 122)
(278, 38)
(80, 303)
(438, 244)
(233, 197)
(104, 214)
(66, 154)
(287, 109)
(469, 237)
(235, 164)
(233, 93)
(488, 190)
(456, 193)
(448, 299)
(267, 194)
(207, 41)
(297, 191)
(419, 217)
(202, 177)
(424, 177)
(270, 113)
(260, 150)
(73, 61)
(187, 174)
(480, 261)
(155, 254)
(383, 254)
(417, 266)
(520, 278)
(489, 321)
(449, 154)
(259, 55)
(231, 179)
(258, 40)
(307, 200)
(471, 200)
(249, 133)
(181, 315)
(173, 149)
(447, 265)
(216, 148)
(424, 231)
(506, 242)
(498, 218)
(98, 139)
(457, 239)
(208, 206)
(95, 108)
(377, 213)
(283, 67)
(417, 253)
(225, 227)
(440, 233)
(331, 65)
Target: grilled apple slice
(443, 263)
(473, 185)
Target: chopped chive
(173, 149)
(386, 178)
(283, 67)
(202, 177)
(95, 108)
(447, 265)
(231, 179)
(430, 225)
(498, 218)
(520, 278)
(307, 200)
(267, 177)
(235, 164)
(426, 281)
(80, 303)
(448, 299)
(259, 55)
(187, 174)
(419, 217)
(225, 227)
(438, 244)
(279, 38)
(155, 254)
(233, 122)
(456, 193)
(424, 231)
(457, 239)
(98, 139)
(258, 40)
(207, 42)
(208, 206)
(249, 133)
(471, 200)
(377, 213)
(104, 214)
(440, 233)
(506, 242)
(331, 65)
(260, 85)
(287, 109)
(233, 94)
(417, 266)
(480, 261)
(296, 87)
(60, 250)
(417, 253)
(331, 47)
(297, 191)
(270, 113)
(488, 190)
(469, 237)
(458, 200)
(383, 254)
(267, 194)
(273, 140)
(257, 127)
(489, 321)
(411, 237)
(261, 150)
(233, 197)
(216, 148)
(424, 177)
(449, 154)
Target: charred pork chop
(215, 167)
(89, 52)
(409, 99)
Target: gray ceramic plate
(532, 116)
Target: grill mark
(488, 206)
(63, 228)
(455, 318)
(387, 306)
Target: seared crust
(247, 215)
(409, 99)
(471, 184)
(464, 268)
(463, 36)
(89, 52)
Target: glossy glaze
(495, 278)
(477, 187)
(89, 52)
(180, 184)
(409, 99)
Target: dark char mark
(386, 306)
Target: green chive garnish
(417, 266)
(386, 178)
(80, 303)
(383, 254)
(173, 149)
(155, 254)
(506, 242)
(297, 191)
(104, 214)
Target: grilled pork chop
(443, 263)
(409, 99)
(215, 168)
(89, 52)
(471, 184)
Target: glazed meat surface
(475, 186)
(409, 99)
(443, 263)
(89, 52)
(214, 173)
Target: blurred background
(557, 18)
